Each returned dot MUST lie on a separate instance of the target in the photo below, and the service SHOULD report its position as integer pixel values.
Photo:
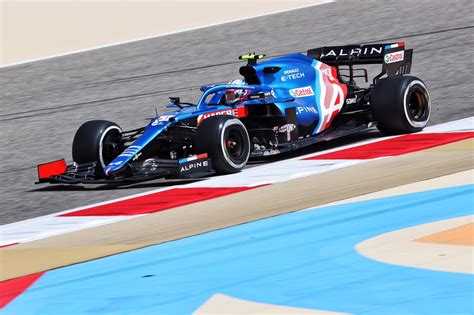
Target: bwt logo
(302, 92)
(395, 56)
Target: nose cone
(107, 170)
(114, 166)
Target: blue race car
(280, 105)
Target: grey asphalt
(43, 103)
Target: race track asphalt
(43, 103)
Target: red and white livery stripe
(331, 95)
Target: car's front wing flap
(138, 171)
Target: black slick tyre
(225, 139)
(97, 141)
(401, 104)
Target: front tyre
(401, 104)
(227, 142)
(97, 141)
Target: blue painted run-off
(304, 259)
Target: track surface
(43, 103)
(69, 247)
(304, 259)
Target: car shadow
(150, 184)
(158, 183)
(318, 147)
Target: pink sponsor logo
(302, 92)
(395, 56)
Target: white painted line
(319, 2)
(465, 124)
(46, 226)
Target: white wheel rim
(224, 151)
(416, 124)
(101, 145)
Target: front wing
(58, 172)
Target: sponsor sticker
(394, 57)
(165, 117)
(195, 164)
(290, 71)
(285, 128)
(306, 109)
(137, 156)
(292, 74)
(130, 151)
(366, 50)
(190, 166)
(270, 94)
(115, 163)
(302, 92)
(237, 112)
(161, 119)
(351, 100)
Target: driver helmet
(233, 96)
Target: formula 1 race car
(280, 105)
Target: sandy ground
(459, 235)
(445, 245)
(221, 304)
(399, 247)
(239, 208)
(36, 29)
(461, 178)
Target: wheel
(401, 104)
(97, 141)
(225, 139)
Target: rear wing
(393, 57)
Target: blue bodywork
(294, 81)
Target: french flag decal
(396, 45)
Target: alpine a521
(279, 105)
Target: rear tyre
(97, 141)
(401, 104)
(226, 141)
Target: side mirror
(175, 100)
